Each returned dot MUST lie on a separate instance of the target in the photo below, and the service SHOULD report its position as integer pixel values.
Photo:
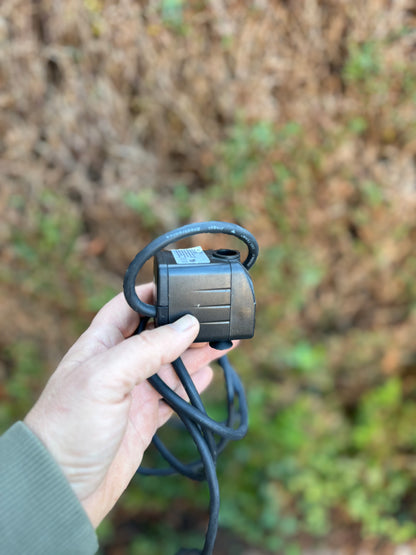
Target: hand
(97, 414)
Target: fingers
(202, 378)
(114, 373)
(112, 324)
(199, 345)
(118, 314)
(194, 360)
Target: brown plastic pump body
(211, 285)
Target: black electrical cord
(209, 436)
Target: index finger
(114, 322)
(118, 314)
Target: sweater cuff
(39, 512)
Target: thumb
(117, 371)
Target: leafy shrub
(296, 121)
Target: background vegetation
(122, 119)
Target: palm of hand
(98, 414)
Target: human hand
(97, 413)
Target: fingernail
(185, 323)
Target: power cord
(209, 436)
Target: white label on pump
(194, 255)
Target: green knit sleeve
(39, 512)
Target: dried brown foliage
(100, 100)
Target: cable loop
(209, 436)
(164, 240)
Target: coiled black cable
(200, 426)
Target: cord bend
(209, 436)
